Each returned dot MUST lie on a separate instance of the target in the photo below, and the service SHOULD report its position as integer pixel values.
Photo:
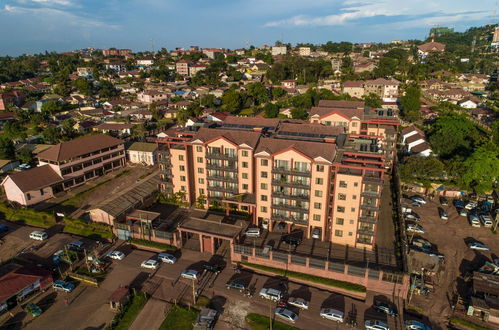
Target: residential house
(354, 88)
(425, 49)
(115, 66)
(364, 67)
(119, 129)
(11, 98)
(304, 51)
(145, 62)
(286, 112)
(116, 52)
(289, 83)
(84, 126)
(386, 89)
(212, 52)
(150, 96)
(279, 50)
(195, 68)
(142, 153)
(182, 67)
(468, 103)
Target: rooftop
(143, 146)
(35, 178)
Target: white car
(298, 302)
(270, 294)
(418, 199)
(376, 325)
(38, 235)
(252, 232)
(286, 314)
(416, 325)
(117, 255)
(478, 246)
(167, 258)
(190, 274)
(470, 206)
(486, 220)
(332, 314)
(412, 216)
(415, 228)
(150, 264)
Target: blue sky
(31, 26)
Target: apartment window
(339, 221)
(201, 181)
(263, 209)
(352, 209)
(338, 233)
(245, 186)
(317, 217)
(263, 174)
(354, 196)
(42, 192)
(245, 175)
(180, 157)
(245, 153)
(245, 164)
(319, 168)
(182, 188)
(350, 233)
(181, 167)
(263, 198)
(319, 181)
(200, 170)
(342, 197)
(318, 193)
(200, 159)
(343, 184)
(28, 196)
(355, 184)
(201, 191)
(340, 209)
(182, 178)
(317, 206)
(199, 149)
(264, 186)
(354, 124)
(351, 222)
(264, 162)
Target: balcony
(223, 189)
(368, 219)
(279, 217)
(221, 156)
(371, 207)
(366, 231)
(373, 179)
(222, 178)
(291, 171)
(294, 184)
(364, 241)
(367, 193)
(231, 168)
(291, 208)
(295, 197)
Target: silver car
(286, 314)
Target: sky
(33, 26)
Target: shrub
(151, 244)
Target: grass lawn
(125, 318)
(27, 216)
(151, 244)
(260, 322)
(179, 318)
(468, 324)
(78, 197)
(310, 278)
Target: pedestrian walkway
(152, 315)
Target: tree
(259, 93)
(453, 134)
(7, 149)
(63, 84)
(107, 89)
(52, 107)
(207, 100)
(421, 169)
(411, 103)
(278, 92)
(155, 112)
(481, 169)
(299, 113)
(232, 101)
(373, 100)
(271, 110)
(83, 86)
(25, 156)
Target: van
(270, 294)
(486, 221)
(443, 214)
(406, 209)
(332, 314)
(252, 232)
(76, 246)
(38, 235)
(474, 221)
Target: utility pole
(193, 292)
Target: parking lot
(451, 238)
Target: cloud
(50, 3)
(353, 10)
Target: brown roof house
(425, 49)
(63, 166)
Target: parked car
(167, 258)
(34, 310)
(478, 246)
(415, 228)
(443, 214)
(298, 302)
(316, 233)
(281, 225)
(270, 294)
(4, 228)
(416, 325)
(294, 238)
(235, 285)
(116, 255)
(150, 264)
(286, 314)
(418, 199)
(443, 201)
(463, 212)
(417, 204)
(252, 232)
(206, 319)
(63, 286)
(332, 314)
(412, 216)
(470, 205)
(385, 308)
(38, 235)
(76, 246)
(486, 220)
(376, 325)
(190, 274)
(474, 220)
(459, 203)
(213, 268)
(406, 209)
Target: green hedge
(260, 322)
(310, 278)
(151, 244)
(90, 229)
(27, 216)
(125, 318)
(467, 324)
(179, 318)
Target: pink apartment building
(63, 166)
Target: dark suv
(213, 268)
(235, 285)
(294, 238)
(385, 308)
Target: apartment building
(279, 50)
(319, 178)
(64, 166)
(182, 67)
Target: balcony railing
(369, 207)
(295, 184)
(231, 168)
(292, 171)
(368, 219)
(296, 197)
(280, 217)
(364, 241)
(288, 207)
(224, 189)
(366, 231)
(373, 179)
(220, 156)
(222, 178)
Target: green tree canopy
(7, 149)
(453, 134)
(373, 100)
(421, 169)
(481, 169)
(411, 104)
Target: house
(289, 83)
(286, 112)
(423, 149)
(116, 52)
(217, 116)
(7, 165)
(212, 53)
(84, 72)
(150, 96)
(354, 88)
(142, 153)
(304, 51)
(195, 68)
(364, 67)
(182, 67)
(279, 50)
(119, 129)
(64, 166)
(410, 131)
(425, 49)
(116, 66)
(11, 98)
(484, 302)
(386, 89)
(144, 62)
(84, 126)
(19, 283)
(468, 103)
(119, 298)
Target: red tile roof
(236, 136)
(308, 148)
(35, 178)
(350, 113)
(15, 281)
(341, 104)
